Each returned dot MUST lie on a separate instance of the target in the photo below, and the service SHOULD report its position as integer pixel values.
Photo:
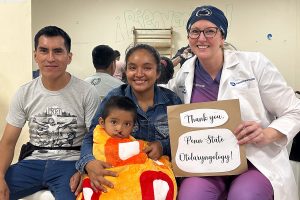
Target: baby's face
(119, 123)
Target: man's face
(52, 57)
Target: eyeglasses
(208, 32)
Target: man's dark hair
(52, 31)
(103, 56)
(122, 103)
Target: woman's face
(141, 71)
(205, 47)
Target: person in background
(104, 60)
(167, 71)
(182, 55)
(269, 109)
(120, 67)
(142, 71)
(59, 108)
(117, 55)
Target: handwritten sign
(202, 139)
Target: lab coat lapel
(230, 61)
(189, 70)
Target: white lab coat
(263, 95)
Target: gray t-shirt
(103, 83)
(55, 118)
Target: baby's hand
(154, 150)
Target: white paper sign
(203, 118)
(219, 151)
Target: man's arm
(7, 147)
(176, 60)
(180, 56)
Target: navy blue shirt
(151, 125)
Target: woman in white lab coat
(269, 108)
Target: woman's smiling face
(204, 47)
(141, 71)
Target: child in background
(139, 177)
(120, 66)
(167, 70)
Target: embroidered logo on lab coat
(244, 83)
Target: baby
(139, 177)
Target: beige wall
(15, 53)
(297, 41)
(96, 22)
(93, 22)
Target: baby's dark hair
(122, 103)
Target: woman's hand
(154, 150)
(96, 170)
(251, 132)
(76, 183)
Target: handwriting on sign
(217, 156)
(203, 118)
(210, 139)
(216, 148)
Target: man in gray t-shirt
(58, 108)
